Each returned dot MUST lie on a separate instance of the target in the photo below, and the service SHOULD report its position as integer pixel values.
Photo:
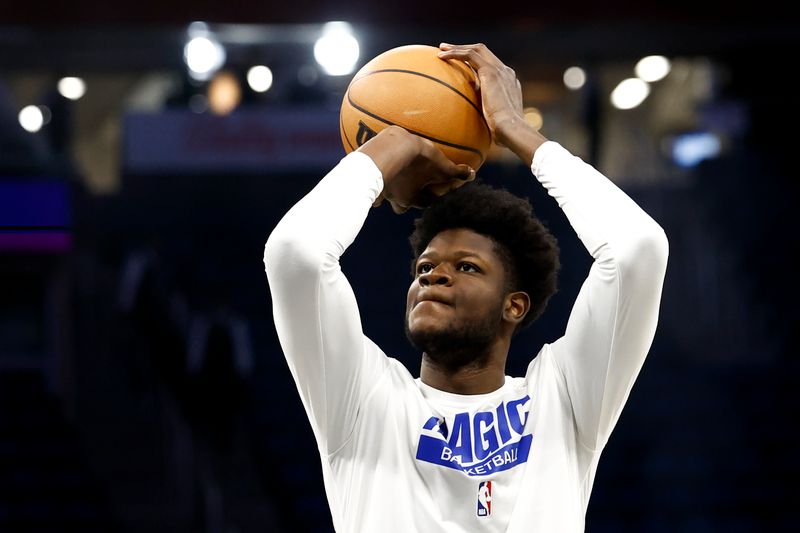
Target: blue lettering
(513, 408)
(481, 443)
(502, 424)
(461, 438)
(440, 425)
(431, 423)
(485, 440)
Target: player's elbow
(662, 245)
(274, 251)
(285, 255)
(656, 245)
(648, 252)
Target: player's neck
(481, 377)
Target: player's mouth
(433, 298)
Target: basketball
(411, 87)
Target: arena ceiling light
(71, 87)
(31, 118)
(574, 78)
(337, 50)
(203, 53)
(259, 78)
(652, 68)
(629, 93)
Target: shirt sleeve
(314, 308)
(613, 321)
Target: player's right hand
(414, 170)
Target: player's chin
(425, 324)
(430, 310)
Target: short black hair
(528, 250)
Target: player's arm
(613, 321)
(315, 310)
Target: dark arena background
(144, 162)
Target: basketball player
(465, 448)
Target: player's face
(456, 299)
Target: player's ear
(516, 307)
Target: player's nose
(438, 276)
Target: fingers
(436, 189)
(440, 189)
(482, 60)
(452, 172)
(443, 169)
(465, 173)
(478, 55)
(430, 193)
(397, 208)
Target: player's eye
(468, 267)
(424, 268)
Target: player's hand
(501, 98)
(501, 91)
(415, 172)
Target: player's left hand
(501, 91)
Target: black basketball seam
(434, 139)
(344, 131)
(437, 80)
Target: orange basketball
(411, 87)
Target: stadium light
(629, 93)
(574, 78)
(31, 118)
(259, 78)
(652, 68)
(71, 87)
(203, 53)
(337, 49)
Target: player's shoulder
(394, 369)
(542, 363)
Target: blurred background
(147, 149)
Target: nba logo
(485, 498)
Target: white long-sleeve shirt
(400, 456)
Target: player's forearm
(326, 221)
(520, 137)
(606, 220)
